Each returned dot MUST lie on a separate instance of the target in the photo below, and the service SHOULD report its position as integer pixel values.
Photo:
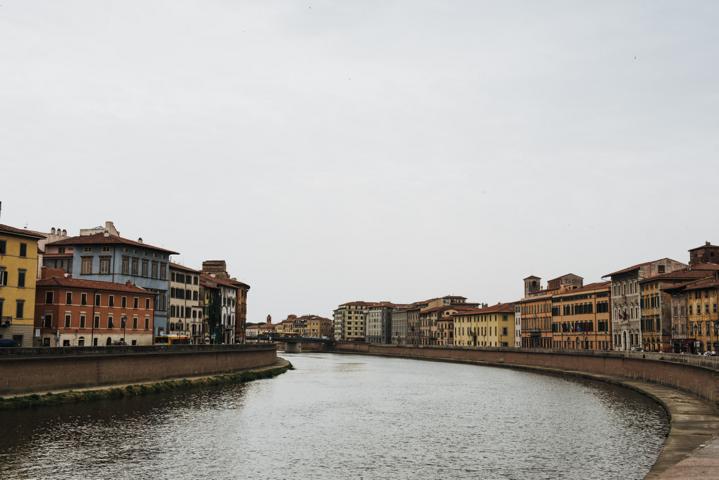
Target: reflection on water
(339, 416)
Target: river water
(346, 416)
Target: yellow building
(485, 327)
(702, 298)
(18, 273)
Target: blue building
(107, 257)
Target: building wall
(703, 319)
(582, 320)
(37, 370)
(159, 283)
(185, 313)
(399, 326)
(76, 324)
(536, 317)
(12, 294)
(495, 329)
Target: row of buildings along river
(99, 288)
(661, 306)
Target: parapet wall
(696, 375)
(44, 369)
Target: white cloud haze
(337, 150)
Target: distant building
(106, 257)
(429, 329)
(185, 319)
(707, 253)
(536, 308)
(18, 274)
(581, 318)
(218, 269)
(73, 312)
(485, 327)
(626, 300)
(218, 298)
(350, 321)
(379, 322)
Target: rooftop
(21, 232)
(107, 239)
(635, 267)
(69, 282)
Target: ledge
(58, 397)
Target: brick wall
(39, 370)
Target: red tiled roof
(109, 239)
(177, 266)
(442, 308)
(635, 267)
(498, 308)
(586, 288)
(70, 282)
(684, 274)
(706, 245)
(21, 232)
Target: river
(347, 416)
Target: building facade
(581, 318)
(218, 299)
(399, 325)
(74, 312)
(626, 300)
(185, 315)
(491, 326)
(350, 321)
(18, 274)
(379, 323)
(106, 257)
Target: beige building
(350, 321)
(185, 318)
(485, 327)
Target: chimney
(139, 240)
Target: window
(147, 304)
(23, 249)
(21, 278)
(662, 269)
(83, 299)
(82, 320)
(3, 277)
(145, 267)
(2, 304)
(134, 323)
(147, 323)
(123, 302)
(97, 322)
(163, 271)
(86, 266)
(155, 271)
(67, 320)
(111, 300)
(105, 265)
(20, 309)
(3, 247)
(68, 298)
(135, 303)
(125, 265)
(135, 263)
(97, 299)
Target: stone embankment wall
(29, 370)
(693, 374)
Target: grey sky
(337, 150)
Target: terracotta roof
(21, 232)
(240, 284)
(531, 276)
(635, 267)
(586, 288)
(459, 307)
(70, 282)
(684, 274)
(498, 308)
(107, 239)
(209, 280)
(177, 266)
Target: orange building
(581, 318)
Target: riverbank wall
(32, 370)
(696, 375)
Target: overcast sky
(376, 150)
